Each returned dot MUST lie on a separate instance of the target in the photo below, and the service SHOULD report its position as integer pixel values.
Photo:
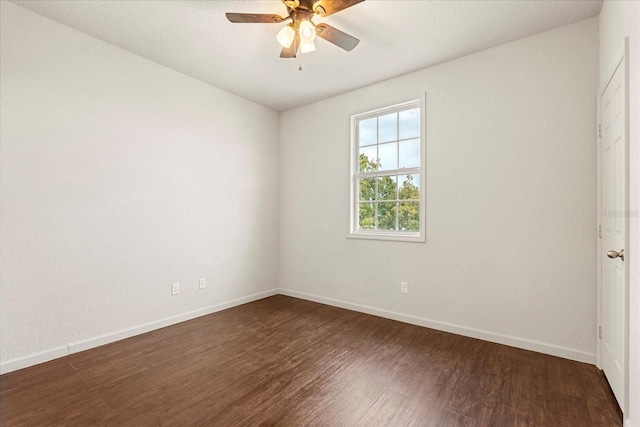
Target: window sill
(394, 237)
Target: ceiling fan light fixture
(307, 46)
(286, 35)
(300, 33)
(307, 30)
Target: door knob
(616, 254)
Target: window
(387, 185)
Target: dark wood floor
(289, 362)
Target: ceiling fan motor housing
(313, 6)
(298, 15)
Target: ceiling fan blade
(290, 52)
(332, 6)
(337, 37)
(253, 18)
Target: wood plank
(284, 361)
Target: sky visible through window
(394, 139)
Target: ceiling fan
(300, 33)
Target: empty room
(320, 212)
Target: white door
(614, 207)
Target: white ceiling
(396, 37)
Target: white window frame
(403, 236)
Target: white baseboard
(33, 359)
(75, 347)
(627, 423)
(540, 347)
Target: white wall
(119, 177)
(620, 19)
(511, 198)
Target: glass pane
(388, 128)
(410, 153)
(388, 155)
(409, 216)
(410, 123)
(366, 216)
(387, 216)
(367, 189)
(409, 187)
(367, 132)
(387, 188)
(367, 159)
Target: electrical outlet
(203, 283)
(404, 287)
(175, 288)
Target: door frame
(624, 62)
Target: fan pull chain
(300, 67)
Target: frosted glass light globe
(285, 36)
(307, 30)
(307, 46)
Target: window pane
(410, 153)
(409, 216)
(387, 188)
(367, 161)
(410, 123)
(388, 155)
(388, 128)
(409, 187)
(366, 216)
(367, 132)
(367, 189)
(387, 216)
